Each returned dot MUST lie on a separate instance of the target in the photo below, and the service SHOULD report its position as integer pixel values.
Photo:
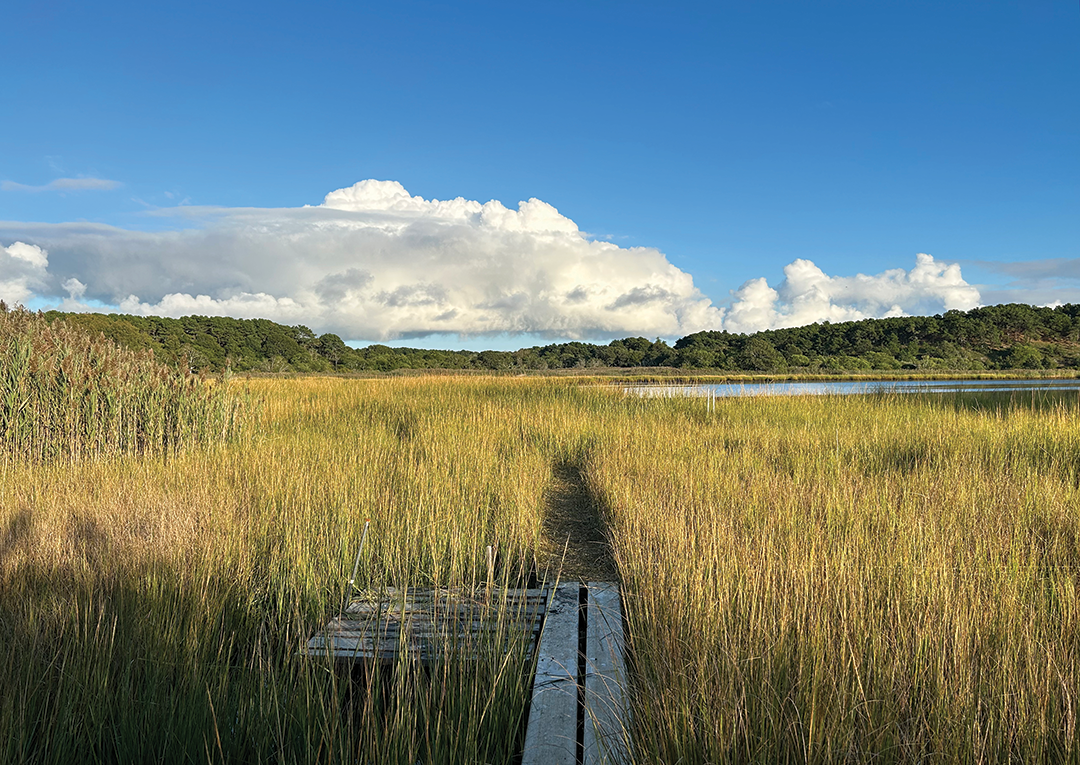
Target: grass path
(576, 544)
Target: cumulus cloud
(23, 270)
(374, 262)
(807, 295)
(64, 184)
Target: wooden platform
(425, 625)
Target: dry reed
(67, 394)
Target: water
(846, 388)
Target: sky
(494, 175)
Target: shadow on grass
(103, 661)
(577, 544)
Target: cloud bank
(373, 262)
(1044, 281)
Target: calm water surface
(858, 387)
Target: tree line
(1013, 336)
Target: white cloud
(64, 184)
(74, 288)
(374, 262)
(809, 295)
(23, 270)
(242, 306)
(390, 196)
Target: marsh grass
(815, 579)
(153, 609)
(887, 579)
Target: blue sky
(705, 152)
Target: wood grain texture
(430, 624)
(551, 735)
(606, 730)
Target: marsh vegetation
(887, 579)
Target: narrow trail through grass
(577, 546)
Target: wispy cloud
(1043, 281)
(64, 184)
(1046, 270)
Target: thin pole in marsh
(356, 566)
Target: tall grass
(805, 580)
(67, 394)
(849, 579)
(153, 609)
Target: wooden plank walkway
(578, 714)
(606, 715)
(426, 625)
(551, 734)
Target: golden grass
(813, 579)
(65, 394)
(849, 579)
(147, 600)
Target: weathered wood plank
(432, 628)
(428, 624)
(446, 622)
(474, 642)
(551, 735)
(606, 718)
(395, 599)
(351, 650)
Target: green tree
(760, 355)
(660, 354)
(332, 348)
(1024, 356)
(499, 360)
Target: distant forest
(1011, 336)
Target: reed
(67, 394)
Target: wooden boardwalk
(425, 625)
(606, 716)
(577, 713)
